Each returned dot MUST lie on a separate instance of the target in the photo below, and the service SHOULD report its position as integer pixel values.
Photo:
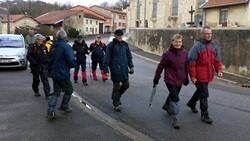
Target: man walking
(203, 58)
(61, 59)
(118, 58)
(97, 49)
(37, 56)
(30, 39)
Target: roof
(54, 17)
(220, 3)
(109, 9)
(14, 18)
(89, 13)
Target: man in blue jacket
(118, 59)
(61, 59)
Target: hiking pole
(90, 73)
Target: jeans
(58, 86)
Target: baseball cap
(79, 37)
(118, 32)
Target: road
(23, 115)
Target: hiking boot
(84, 81)
(117, 108)
(47, 95)
(176, 124)
(207, 120)
(37, 94)
(167, 108)
(95, 79)
(104, 79)
(67, 110)
(193, 109)
(52, 115)
(75, 81)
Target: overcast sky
(81, 2)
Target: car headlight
(21, 54)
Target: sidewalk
(228, 77)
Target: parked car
(12, 51)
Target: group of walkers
(116, 58)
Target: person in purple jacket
(175, 64)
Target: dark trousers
(118, 90)
(43, 74)
(95, 63)
(58, 86)
(201, 94)
(83, 66)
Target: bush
(72, 32)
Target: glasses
(207, 33)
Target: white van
(12, 51)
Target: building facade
(227, 13)
(118, 18)
(164, 13)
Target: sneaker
(37, 94)
(167, 108)
(104, 79)
(117, 108)
(52, 115)
(176, 124)
(67, 110)
(193, 109)
(95, 79)
(207, 120)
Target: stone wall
(234, 44)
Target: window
(200, 2)
(87, 21)
(124, 17)
(96, 30)
(154, 8)
(80, 16)
(96, 22)
(138, 10)
(120, 24)
(87, 30)
(90, 21)
(175, 8)
(223, 16)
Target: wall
(92, 26)
(234, 45)
(75, 21)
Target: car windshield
(11, 41)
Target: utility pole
(8, 17)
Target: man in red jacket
(203, 58)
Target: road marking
(117, 125)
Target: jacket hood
(204, 41)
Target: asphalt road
(22, 115)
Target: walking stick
(152, 95)
(90, 73)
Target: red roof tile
(55, 17)
(220, 3)
(14, 18)
(89, 13)
(109, 9)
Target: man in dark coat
(97, 50)
(118, 59)
(37, 56)
(80, 49)
(61, 59)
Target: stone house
(118, 20)
(95, 23)
(17, 21)
(63, 19)
(227, 13)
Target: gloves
(131, 71)
(156, 81)
(186, 82)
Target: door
(100, 28)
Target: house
(63, 19)
(95, 23)
(164, 13)
(17, 21)
(118, 20)
(227, 13)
